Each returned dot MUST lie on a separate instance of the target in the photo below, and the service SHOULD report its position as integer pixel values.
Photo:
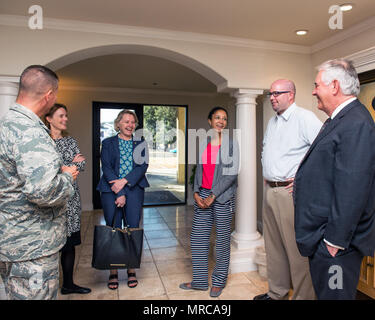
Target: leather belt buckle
(276, 184)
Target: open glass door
(164, 128)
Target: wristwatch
(212, 196)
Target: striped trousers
(219, 215)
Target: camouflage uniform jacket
(33, 190)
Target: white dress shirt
(342, 106)
(286, 141)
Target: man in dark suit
(334, 188)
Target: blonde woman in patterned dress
(56, 120)
(124, 163)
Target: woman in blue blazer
(124, 164)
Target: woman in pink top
(215, 185)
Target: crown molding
(162, 34)
(132, 31)
(363, 60)
(140, 91)
(10, 79)
(344, 34)
(9, 86)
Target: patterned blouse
(126, 156)
(68, 149)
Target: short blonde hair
(121, 114)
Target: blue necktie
(324, 125)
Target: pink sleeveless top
(208, 160)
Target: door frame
(138, 107)
(366, 283)
(96, 107)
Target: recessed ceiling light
(346, 7)
(301, 32)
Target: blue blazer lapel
(330, 126)
(135, 143)
(116, 151)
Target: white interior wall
(240, 64)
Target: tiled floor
(166, 262)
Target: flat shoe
(216, 293)
(186, 287)
(75, 289)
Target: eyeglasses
(276, 93)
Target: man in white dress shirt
(288, 136)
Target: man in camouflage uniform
(34, 191)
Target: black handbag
(116, 248)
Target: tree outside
(155, 117)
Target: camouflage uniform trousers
(31, 280)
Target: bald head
(288, 85)
(282, 95)
(37, 80)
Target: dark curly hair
(213, 110)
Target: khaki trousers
(286, 268)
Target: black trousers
(335, 278)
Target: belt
(274, 184)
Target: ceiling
(134, 72)
(272, 20)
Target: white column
(8, 93)
(245, 237)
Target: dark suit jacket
(110, 157)
(335, 185)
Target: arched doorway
(120, 75)
(200, 68)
